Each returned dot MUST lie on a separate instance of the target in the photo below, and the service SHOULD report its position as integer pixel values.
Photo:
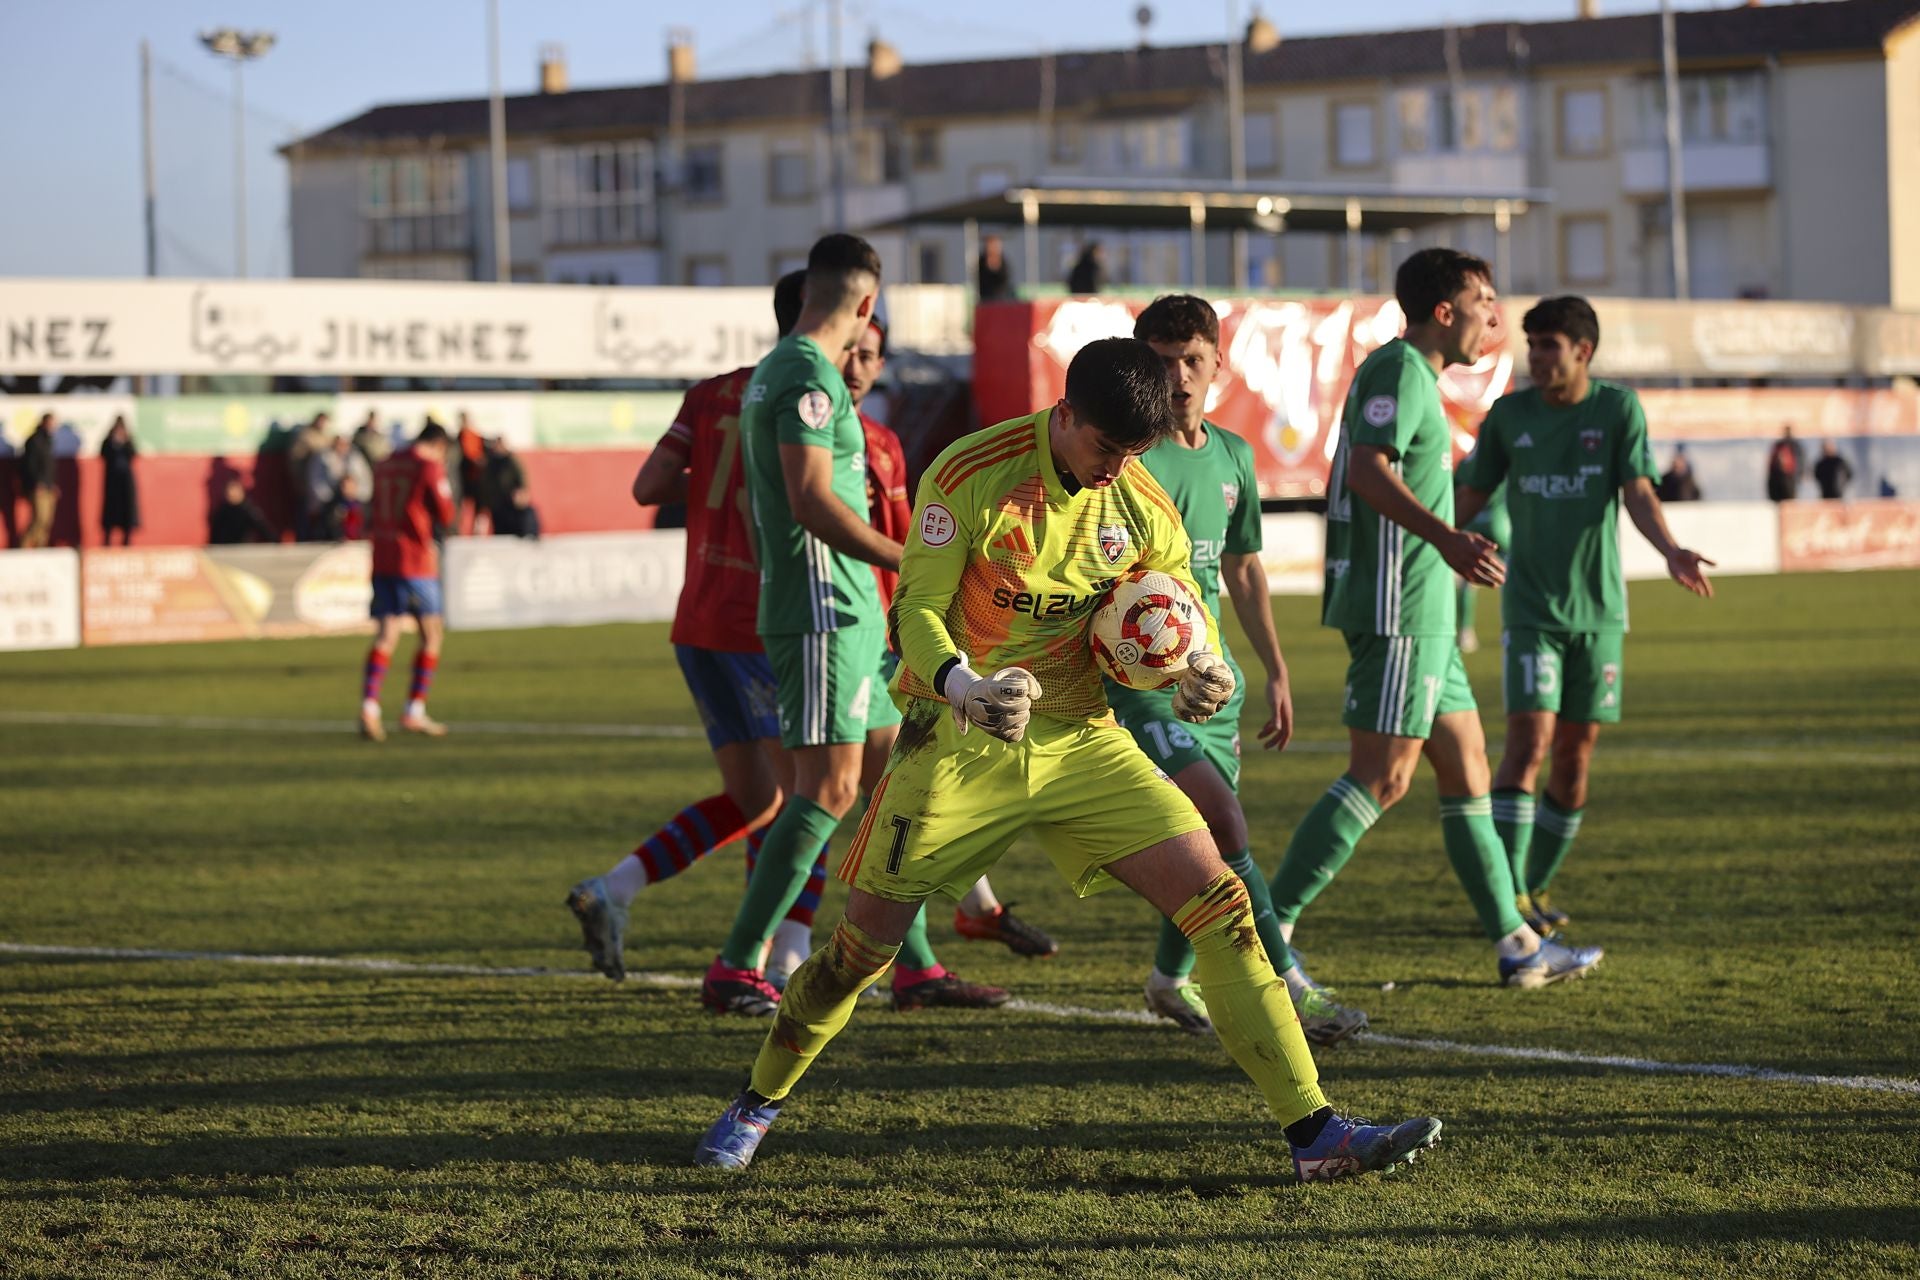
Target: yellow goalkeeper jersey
(1005, 566)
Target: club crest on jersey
(1590, 439)
(1114, 541)
(1230, 492)
(1379, 411)
(1610, 673)
(815, 409)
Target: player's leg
(387, 610)
(424, 604)
(1529, 734)
(1594, 690)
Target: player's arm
(1688, 568)
(1482, 470)
(1370, 475)
(437, 492)
(1245, 579)
(818, 509)
(663, 476)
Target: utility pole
(837, 124)
(497, 149)
(1676, 186)
(146, 158)
(1236, 138)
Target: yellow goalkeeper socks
(1249, 1005)
(817, 1002)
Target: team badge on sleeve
(937, 525)
(815, 409)
(1114, 541)
(1379, 411)
(1231, 493)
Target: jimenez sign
(319, 327)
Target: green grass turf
(1749, 859)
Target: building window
(1446, 120)
(1068, 144)
(1729, 107)
(926, 148)
(928, 265)
(784, 261)
(1260, 141)
(1583, 123)
(1354, 146)
(416, 204)
(520, 184)
(1504, 123)
(877, 159)
(599, 194)
(707, 272)
(1585, 257)
(704, 181)
(1415, 110)
(790, 173)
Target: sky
(70, 137)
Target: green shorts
(1397, 684)
(881, 713)
(949, 805)
(1174, 744)
(828, 683)
(1574, 674)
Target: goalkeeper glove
(1001, 704)
(1205, 687)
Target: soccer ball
(1145, 628)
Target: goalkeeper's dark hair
(835, 266)
(1119, 387)
(1567, 314)
(1433, 276)
(789, 296)
(1178, 317)
(432, 433)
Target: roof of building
(1092, 81)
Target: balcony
(1458, 171)
(1704, 166)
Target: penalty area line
(1617, 1062)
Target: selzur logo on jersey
(1114, 541)
(815, 409)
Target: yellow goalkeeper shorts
(950, 805)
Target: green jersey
(1564, 467)
(1381, 580)
(1219, 501)
(797, 396)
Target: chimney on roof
(883, 60)
(1589, 9)
(553, 68)
(1262, 35)
(680, 64)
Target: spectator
(471, 475)
(1679, 484)
(372, 442)
(306, 443)
(1089, 274)
(345, 519)
(36, 483)
(237, 520)
(337, 460)
(996, 281)
(120, 503)
(1832, 473)
(510, 502)
(1784, 465)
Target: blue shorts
(734, 693)
(394, 596)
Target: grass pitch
(1751, 860)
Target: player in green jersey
(1209, 475)
(1392, 552)
(1568, 449)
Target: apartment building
(1800, 125)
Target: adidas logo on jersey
(1014, 542)
(1525, 441)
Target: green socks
(1554, 829)
(1513, 819)
(1321, 845)
(786, 856)
(915, 951)
(1174, 955)
(1480, 860)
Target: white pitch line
(1619, 1062)
(345, 725)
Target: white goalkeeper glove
(1205, 687)
(1001, 703)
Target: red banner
(1816, 536)
(1283, 378)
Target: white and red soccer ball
(1145, 629)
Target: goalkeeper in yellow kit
(1018, 531)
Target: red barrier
(1823, 536)
(1282, 384)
